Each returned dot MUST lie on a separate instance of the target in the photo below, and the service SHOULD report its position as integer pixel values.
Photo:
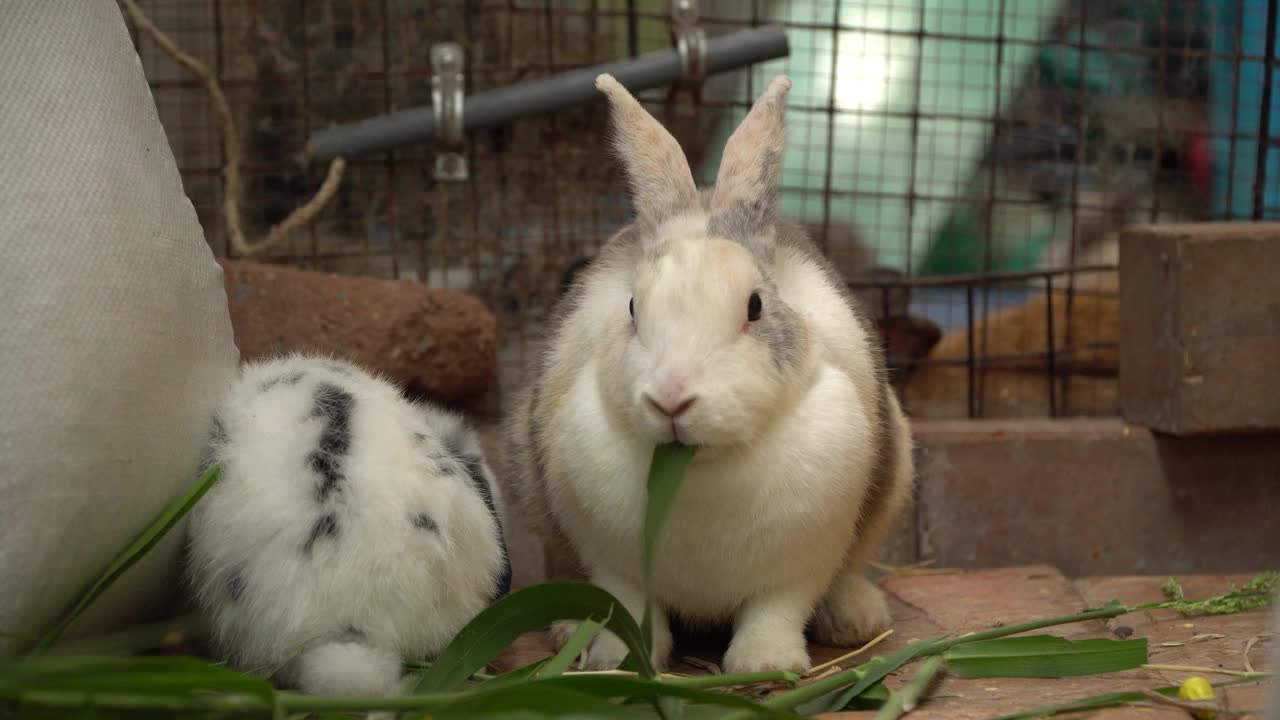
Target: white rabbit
(350, 528)
(721, 327)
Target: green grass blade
(290, 702)
(515, 677)
(830, 695)
(1106, 700)
(581, 638)
(666, 472)
(131, 554)
(136, 639)
(596, 696)
(633, 688)
(537, 700)
(1261, 591)
(1172, 589)
(827, 694)
(669, 708)
(1045, 656)
(703, 712)
(873, 698)
(1096, 702)
(665, 475)
(127, 706)
(530, 608)
(904, 700)
(834, 693)
(702, 682)
(164, 681)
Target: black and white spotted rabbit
(712, 322)
(350, 528)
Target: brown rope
(231, 149)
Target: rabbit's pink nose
(672, 409)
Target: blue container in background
(1236, 110)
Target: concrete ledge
(1200, 327)
(1095, 496)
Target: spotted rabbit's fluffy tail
(352, 668)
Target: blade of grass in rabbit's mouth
(666, 472)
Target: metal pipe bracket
(691, 43)
(447, 93)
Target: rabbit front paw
(768, 632)
(561, 631)
(607, 651)
(767, 651)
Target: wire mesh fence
(967, 164)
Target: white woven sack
(115, 339)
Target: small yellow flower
(1197, 688)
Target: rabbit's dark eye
(631, 308)
(754, 306)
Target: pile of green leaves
(106, 678)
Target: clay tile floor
(927, 605)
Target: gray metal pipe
(504, 105)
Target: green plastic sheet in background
(870, 150)
(866, 61)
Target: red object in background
(1199, 162)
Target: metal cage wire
(967, 164)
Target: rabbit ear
(745, 202)
(661, 184)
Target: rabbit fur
(350, 528)
(804, 456)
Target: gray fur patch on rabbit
(350, 528)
